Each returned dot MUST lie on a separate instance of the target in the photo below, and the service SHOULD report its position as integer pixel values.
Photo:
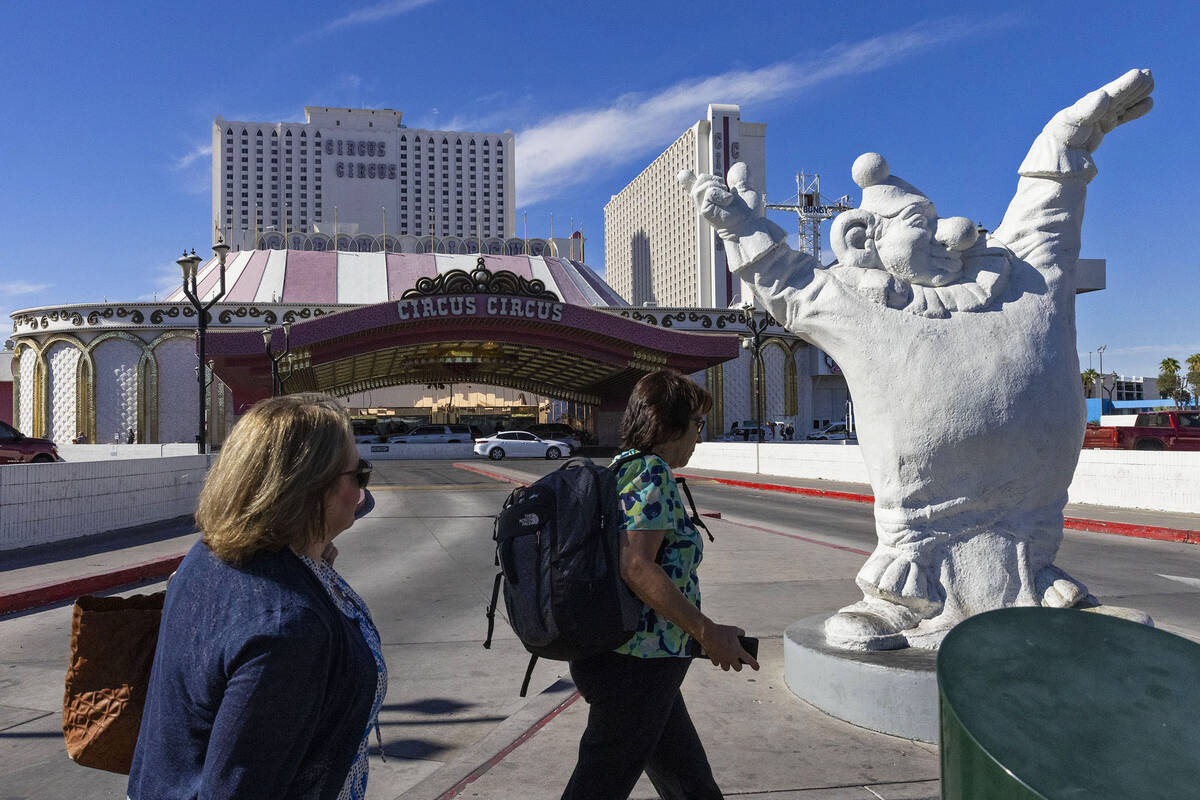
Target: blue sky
(108, 107)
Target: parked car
(520, 444)
(1158, 430)
(747, 431)
(367, 438)
(17, 448)
(835, 431)
(435, 434)
(559, 432)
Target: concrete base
(891, 691)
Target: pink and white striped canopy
(332, 277)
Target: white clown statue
(960, 355)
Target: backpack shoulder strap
(696, 520)
(620, 462)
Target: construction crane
(806, 204)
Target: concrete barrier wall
(1159, 481)
(107, 452)
(1162, 481)
(43, 503)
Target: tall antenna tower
(806, 204)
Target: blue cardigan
(261, 688)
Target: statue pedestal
(890, 691)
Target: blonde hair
(267, 489)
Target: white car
(833, 432)
(520, 444)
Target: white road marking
(1181, 579)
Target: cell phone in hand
(748, 643)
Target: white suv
(434, 434)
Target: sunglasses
(700, 425)
(362, 473)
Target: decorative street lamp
(754, 343)
(277, 381)
(188, 264)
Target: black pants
(637, 722)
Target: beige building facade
(658, 250)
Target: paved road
(423, 562)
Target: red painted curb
(1071, 523)
(48, 593)
(496, 475)
(775, 487)
(1126, 529)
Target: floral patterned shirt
(650, 501)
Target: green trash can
(1061, 703)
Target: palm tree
(1168, 379)
(1193, 376)
(1089, 376)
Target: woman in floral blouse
(637, 719)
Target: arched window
(244, 132)
(289, 133)
(303, 135)
(259, 134)
(229, 132)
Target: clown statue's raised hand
(960, 355)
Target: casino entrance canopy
(479, 327)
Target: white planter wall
(43, 503)
(1157, 481)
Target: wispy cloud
(13, 288)
(570, 147)
(197, 153)
(193, 168)
(374, 13)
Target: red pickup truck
(17, 448)
(1157, 430)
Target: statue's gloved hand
(730, 210)
(735, 212)
(1065, 145)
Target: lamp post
(188, 264)
(1101, 350)
(754, 343)
(277, 380)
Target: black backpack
(558, 549)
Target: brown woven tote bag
(112, 649)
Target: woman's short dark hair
(660, 409)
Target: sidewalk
(35, 577)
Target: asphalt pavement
(453, 723)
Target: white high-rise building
(367, 165)
(657, 249)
